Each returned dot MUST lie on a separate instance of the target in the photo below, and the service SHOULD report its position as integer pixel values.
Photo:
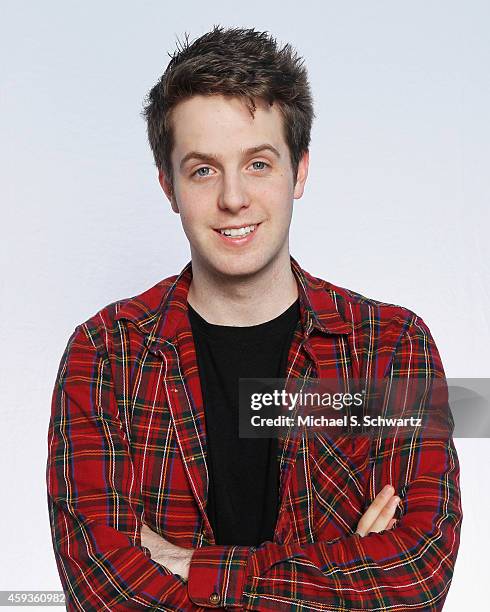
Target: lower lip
(238, 241)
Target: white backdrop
(396, 204)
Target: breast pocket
(169, 505)
(339, 469)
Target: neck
(245, 300)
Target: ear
(302, 175)
(168, 190)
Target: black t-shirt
(243, 473)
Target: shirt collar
(161, 311)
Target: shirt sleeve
(93, 498)
(409, 567)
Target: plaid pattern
(127, 445)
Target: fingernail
(388, 490)
(395, 501)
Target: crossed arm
(378, 517)
(95, 516)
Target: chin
(236, 266)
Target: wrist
(177, 562)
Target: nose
(233, 194)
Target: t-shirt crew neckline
(250, 333)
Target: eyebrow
(214, 158)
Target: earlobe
(164, 183)
(302, 175)
(168, 190)
(173, 203)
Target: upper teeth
(241, 231)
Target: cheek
(279, 189)
(195, 216)
(189, 220)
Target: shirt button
(214, 598)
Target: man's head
(229, 92)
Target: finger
(391, 523)
(385, 516)
(371, 514)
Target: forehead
(218, 123)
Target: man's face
(221, 182)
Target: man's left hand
(174, 558)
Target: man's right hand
(380, 513)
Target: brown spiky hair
(237, 62)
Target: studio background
(395, 206)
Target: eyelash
(206, 176)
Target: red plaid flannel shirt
(127, 445)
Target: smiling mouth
(236, 233)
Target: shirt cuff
(217, 575)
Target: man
(155, 501)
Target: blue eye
(203, 168)
(259, 162)
(206, 174)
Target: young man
(155, 501)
